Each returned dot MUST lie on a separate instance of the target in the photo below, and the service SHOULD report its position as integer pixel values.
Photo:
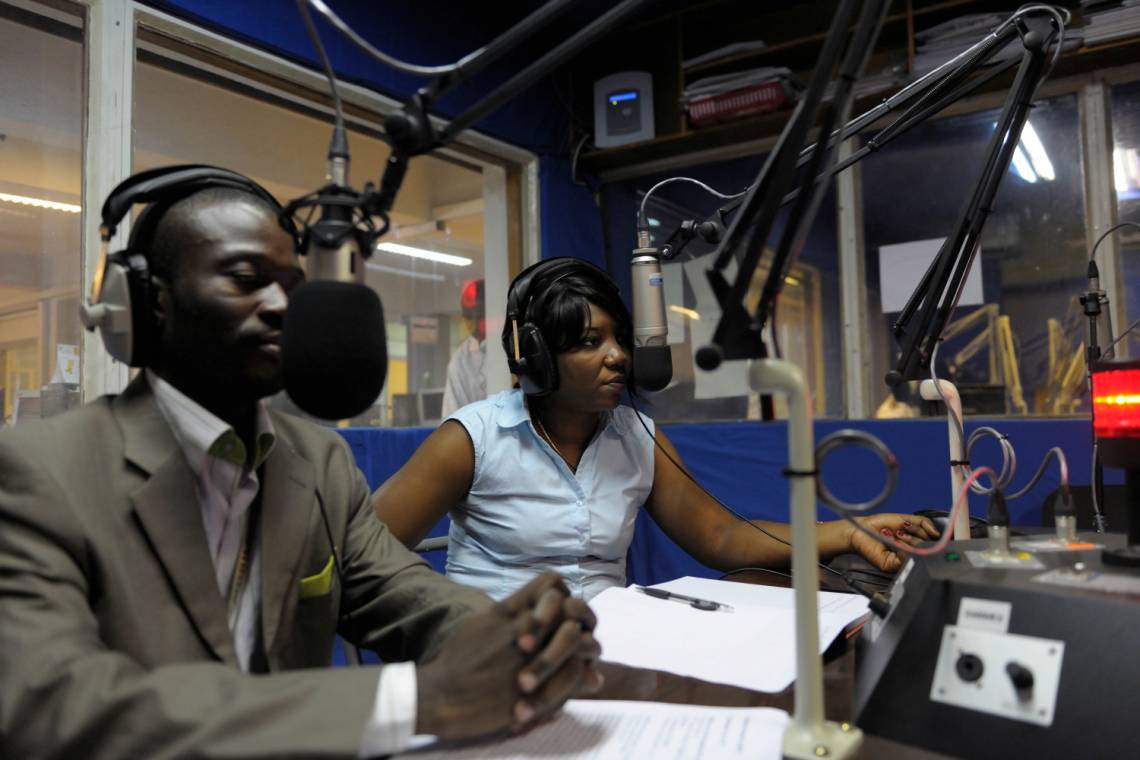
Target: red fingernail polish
(901, 533)
(886, 531)
(906, 523)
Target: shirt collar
(514, 413)
(200, 433)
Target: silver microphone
(652, 357)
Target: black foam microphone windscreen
(652, 367)
(333, 350)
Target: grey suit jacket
(113, 635)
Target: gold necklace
(553, 445)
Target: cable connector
(997, 514)
(880, 603)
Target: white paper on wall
(902, 265)
(731, 378)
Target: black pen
(701, 604)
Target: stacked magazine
(741, 93)
(1105, 21)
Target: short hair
(559, 306)
(162, 229)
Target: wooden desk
(623, 682)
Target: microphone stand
(938, 291)
(739, 334)
(411, 132)
(1091, 301)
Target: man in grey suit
(176, 561)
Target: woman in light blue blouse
(550, 475)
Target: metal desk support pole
(808, 735)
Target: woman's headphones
(528, 355)
(121, 294)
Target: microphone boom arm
(739, 334)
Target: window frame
(117, 31)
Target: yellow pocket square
(319, 584)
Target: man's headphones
(528, 355)
(122, 295)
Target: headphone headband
(165, 184)
(554, 269)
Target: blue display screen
(618, 97)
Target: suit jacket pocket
(319, 584)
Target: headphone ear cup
(537, 370)
(126, 291)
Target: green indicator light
(953, 556)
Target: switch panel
(1003, 674)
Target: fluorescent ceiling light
(424, 253)
(690, 313)
(1037, 155)
(1126, 169)
(405, 272)
(1022, 166)
(24, 200)
(1120, 176)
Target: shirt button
(579, 502)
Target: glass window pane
(1014, 333)
(181, 119)
(41, 113)
(1126, 177)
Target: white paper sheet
(613, 730)
(901, 266)
(731, 378)
(753, 647)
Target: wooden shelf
(608, 163)
(813, 40)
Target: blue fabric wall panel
(379, 453)
(741, 462)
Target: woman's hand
(903, 528)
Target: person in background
(551, 475)
(176, 561)
(466, 382)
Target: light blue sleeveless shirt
(527, 513)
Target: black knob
(969, 667)
(1021, 676)
(709, 357)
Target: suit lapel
(168, 511)
(288, 501)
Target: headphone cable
(722, 505)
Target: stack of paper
(753, 647)
(722, 83)
(940, 43)
(1110, 21)
(612, 730)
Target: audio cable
(847, 579)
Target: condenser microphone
(652, 357)
(334, 356)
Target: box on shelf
(737, 104)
